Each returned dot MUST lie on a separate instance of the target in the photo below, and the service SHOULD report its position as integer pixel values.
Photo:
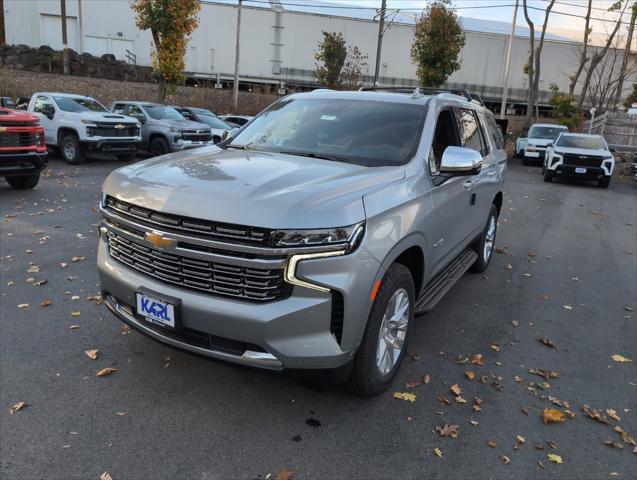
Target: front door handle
(491, 173)
(467, 185)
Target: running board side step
(443, 282)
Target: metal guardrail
(131, 57)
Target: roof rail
(470, 96)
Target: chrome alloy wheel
(393, 329)
(490, 238)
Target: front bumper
(535, 156)
(113, 145)
(569, 171)
(22, 163)
(292, 333)
(186, 145)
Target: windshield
(590, 143)
(211, 119)
(161, 112)
(363, 132)
(79, 104)
(547, 133)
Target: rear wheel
(158, 146)
(71, 150)
(603, 182)
(385, 338)
(24, 182)
(486, 243)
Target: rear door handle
(467, 185)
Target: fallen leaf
(405, 396)
(426, 379)
(520, 439)
(477, 359)
(17, 406)
(515, 323)
(106, 476)
(544, 373)
(64, 265)
(443, 399)
(284, 474)
(508, 267)
(567, 307)
(438, 452)
(121, 414)
(455, 389)
(525, 410)
(611, 444)
(625, 436)
(77, 259)
(459, 399)
(106, 371)
(412, 384)
(45, 303)
(126, 329)
(475, 423)
(74, 327)
(613, 414)
(595, 414)
(502, 250)
(75, 297)
(75, 314)
(495, 347)
(23, 305)
(518, 378)
(448, 431)
(92, 354)
(469, 374)
(539, 462)
(553, 415)
(492, 443)
(33, 269)
(506, 460)
(620, 358)
(39, 282)
(554, 458)
(95, 298)
(551, 444)
(543, 296)
(547, 342)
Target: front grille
(586, 161)
(19, 124)
(189, 226)
(109, 130)
(194, 136)
(15, 139)
(247, 283)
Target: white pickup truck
(76, 125)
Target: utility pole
(379, 46)
(629, 41)
(65, 45)
(235, 87)
(507, 67)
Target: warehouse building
(278, 42)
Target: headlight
(103, 200)
(349, 237)
(88, 122)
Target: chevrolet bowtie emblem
(119, 126)
(158, 239)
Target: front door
(42, 102)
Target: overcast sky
(503, 10)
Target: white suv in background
(581, 157)
(540, 135)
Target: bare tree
(535, 55)
(599, 54)
(583, 59)
(629, 41)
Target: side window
(135, 111)
(470, 135)
(40, 103)
(188, 115)
(445, 135)
(492, 129)
(119, 108)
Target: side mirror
(141, 118)
(460, 161)
(49, 111)
(611, 149)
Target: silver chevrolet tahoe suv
(164, 129)
(311, 238)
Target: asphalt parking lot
(566, 271)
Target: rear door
(49, 125)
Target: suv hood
(582, 151)
(251, 188)
(182, 124)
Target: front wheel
(158, 146)
(72, 150)
(486, 243)
(24, 182)
(603, 182)
(385, 338)
(548, 175)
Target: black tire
(24, 182)
(548, 176)
(158, 146)
(126, 157)
(366, 379)
(524, 160)
(71, 150)
(480, 246)
(603, 182)
(216, 139)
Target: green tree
(438, 40)
(331, 52)
(171, 23)
(565, 109)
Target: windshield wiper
(333, 158)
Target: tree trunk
(531, 90)
(629, 41)
(596, 58)
(538, 53)
(161, 89)
(583, 58)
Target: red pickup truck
(22, 149)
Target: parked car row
(568, 155)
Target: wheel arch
(410, 253)
(63, 131)
(497, 201)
